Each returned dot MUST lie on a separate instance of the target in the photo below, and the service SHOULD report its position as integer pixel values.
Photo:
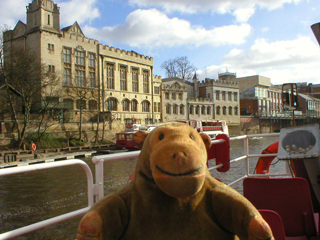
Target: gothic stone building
(206, 100)
(224, 95)
(118, 83)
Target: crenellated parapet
(220, 83)
(157, 78)
(173, 87)
(48, 4)
(117, 51)
(78, 38)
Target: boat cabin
(124, 140)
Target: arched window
(93, 105)
(168, 109)
(191, 109)
(134, 105)
(175, 109)
(182, 109)
(81, 104)
(68, 103)
(145, 106)
(197, 110)
(203, 110)
(224, 110)
(112, 104)
(218, 109)
(236, 111)
(125, 105)
(230, 110)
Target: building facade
(113, 82)
(206, 100)
(309, 105)
(258, 97)
(224, 95)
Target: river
(32, 197)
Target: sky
(271, 38)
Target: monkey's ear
(139, 137)
(206, 139)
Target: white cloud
(10, 11)
(71, 11)
(283, 61)
(217, 6)
(152, 28)
(82, 11)
(243, 14)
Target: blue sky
(271, 38)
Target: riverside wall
(67, 130)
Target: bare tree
(179, 67)
(2, 30)
(49, 105)
(170, 67)
(25, 79)
(82, 95)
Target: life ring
(264, 163)
(33, 146)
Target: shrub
(47, 141)
(76, 142)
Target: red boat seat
(290, 198)
(275, 222)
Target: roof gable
(74, 30)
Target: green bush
(76, 143)
(103, 142)
(47, 141)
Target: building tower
(227, 75)
(195, 85)
(43, 15)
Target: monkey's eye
(161, 136)
(191, 136)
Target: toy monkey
(173, 196)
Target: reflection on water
(31, 197)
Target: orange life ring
(264, 163)
(33, 146)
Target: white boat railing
(54, 220)
(96, 190)
(99, 160)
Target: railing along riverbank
(96, 188)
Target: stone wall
(68, 130)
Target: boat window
(120, 137)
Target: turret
(43, 15)
(195, 85)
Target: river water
(32, 197)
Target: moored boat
(124, 140)
(210, 127)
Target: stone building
(118, 84)
(174, 98)
(224, 95)
(206, 100)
